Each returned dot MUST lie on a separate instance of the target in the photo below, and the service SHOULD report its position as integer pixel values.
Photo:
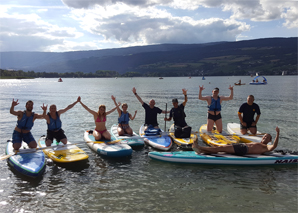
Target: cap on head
(174, 100)
(216, 89)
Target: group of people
(246, 115)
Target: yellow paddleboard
(63, 153)
(182, 142)
(214, 138)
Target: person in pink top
(100, 121)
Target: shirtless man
(241, 148)
(214, 107)
(24, 124)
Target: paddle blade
(6, 156)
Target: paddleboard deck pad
(61, 153)
(214, 138)
(161, 142)
(31, 164)
(224, 159)
(127, 139)
(107, 147)
(184, 143)
(234, 128)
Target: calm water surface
(139, 184)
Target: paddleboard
(234, 128)
(31, 164)
(162, 142)
(184, 143)
(224, 159)
(63, 153)
(133, 141)
(107, 147)
(214, 138)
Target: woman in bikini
(123, 120)
(214, 107)
(100, 121)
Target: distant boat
(257, 74)
(189, 77)
(60, 80)
(160, 77)
(256, 81)
(203, 78)
(283, 73)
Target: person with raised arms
(151, 111)
(178, 115)
(214, 107)
(123, 120)
(25, 123)
(54, 124)
(100, 121)
(241, 148)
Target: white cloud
(145, 26)
(30, 33)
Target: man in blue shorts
(151, 111)
(24, 124)
(249, 110)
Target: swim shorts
(59, 135)
(18, 137)
(214, 117)
(248, 125)
(240, 149)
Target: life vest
(26, 123)
(215, 105)
(54, 125)
(124, 118)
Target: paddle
(31, 150)
(166, 117)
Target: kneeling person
(182, 130)
(54, 124)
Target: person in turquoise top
(24, 124)
(214, 107)
(54, 124)
(123, 120)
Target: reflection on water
(138, 184)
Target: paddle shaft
(166, 117)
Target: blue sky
(71, 25)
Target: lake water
(139, 184)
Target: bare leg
(226, 148)
(129, 131)
(253, 130)
(96, 135)
(120, 131)
(32, 144)
(64, 141)
(218, 124)
(210, 124)
(49, 142)
(17, 146)
(107, 135)
(243, 131)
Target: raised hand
(231, 87)
(184, 91)
(79, 99)
(134, 90)
(202, 87)
(43, 107)
(14, 103)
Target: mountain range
(268, 56)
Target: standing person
(123, 120)
(242, 148)
(214, 107)
(54, 124)
(249, 109)
(151, 111)
(100, 121)
(178, 115)
(25, 123)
